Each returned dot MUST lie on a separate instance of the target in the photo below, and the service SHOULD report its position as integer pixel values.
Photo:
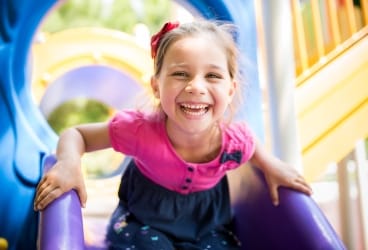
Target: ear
(232, 90)
(154, 86)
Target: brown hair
(220, 32)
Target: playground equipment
(297, 223)
(101, 64)
(25, 136)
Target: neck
(197, 148)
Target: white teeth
(194, 109)
(198, 113)
(194, 106)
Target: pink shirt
(144, 138)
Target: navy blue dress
(151, 217)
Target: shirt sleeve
(240, 144)
(123, 131)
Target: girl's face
(194, 85)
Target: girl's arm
(66, 174)
(278, 173)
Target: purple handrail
(297, 223)
(61, 224)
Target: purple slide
(296, 224)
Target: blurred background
(89, 58)
(81, 82)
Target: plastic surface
(297, 223)
(61, 225)
(25, 136)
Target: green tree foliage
(77, 111)
(121, 15)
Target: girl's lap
(132, 236)
(195, 226)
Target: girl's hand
(62, 177)
(278, 173)
(281, 174)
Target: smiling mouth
(194, 109)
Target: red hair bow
(155, 39)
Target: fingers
(298, 184)
(301, 185)
(82, 194)
(47, 191)
(45, 195)
(274, 195)
(51, 188)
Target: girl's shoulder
(134, 118)
(238, 144)
(130, 129)
(237, 131)
(135, 123)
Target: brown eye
(212, 75)
(181, 74)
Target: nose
(196, 86)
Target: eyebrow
(186, 65)
(216, 67)
(178, 65)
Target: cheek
(225, 94)
(171, 91)
(224, 101)
(167, 99)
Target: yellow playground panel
(57, 53)
(332, 108)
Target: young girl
(174, 194)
